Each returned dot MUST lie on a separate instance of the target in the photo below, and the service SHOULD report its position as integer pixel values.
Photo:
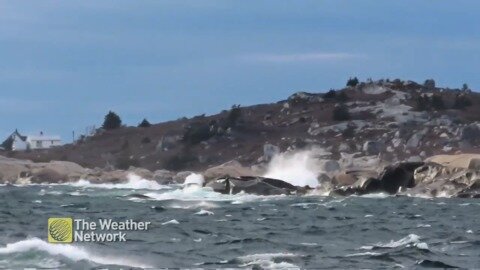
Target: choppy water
(202, 229)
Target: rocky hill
(375, 121)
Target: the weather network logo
(60, 230)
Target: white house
(17, 142)
(42, 141)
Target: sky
(65, 64)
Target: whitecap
(206, 194)
(173, 221)
(303, 205)
(69, 251)
(268, 260)
(421, 245)
(410, 240)
(266, 256)
(203, 212)
(368, 253)
(134, 182)
(375, 195)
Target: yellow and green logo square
(60, 230)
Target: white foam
(205, 194)
(410, 240)
(203, 212)
(266, 260)
(368, 253)
(299, 168)
(194, 179)
(173, 221)
(70, 251)
(134, 182)
(380, 195)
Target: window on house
(38, 144)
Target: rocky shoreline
(437, 176)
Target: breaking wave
(410, 240)
(70, 252)
(134, 182)
(206, 194)
(269, 261)
(299, 168)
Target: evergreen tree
(145, 124)
(233, 116)
(352, 82)
(112, 121)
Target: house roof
(43, 138)
(20, 136)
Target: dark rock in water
(254, 185)
(399, 175)
(390, 180)
(361, 187)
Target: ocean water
(198, 228)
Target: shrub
(341, 113)
(178, 162)
(465, 87)
(197, 133)
(330, 94)
(145, 124)
(146, 140)
(429, 84)
(112, 121)
(461, 102)
(437, 103)
(342, 96)
(233, 116)
(124, 162)
(422, 103)
(352, 82)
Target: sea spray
(134, 182)
(297, 168)
(193, 182)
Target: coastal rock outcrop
(435, 180)
(254, 185)
(229, 169)
(466, 161)
(12, 170)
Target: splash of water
(71, 252)
(134, 182)
(299, 168)
(193, 183)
